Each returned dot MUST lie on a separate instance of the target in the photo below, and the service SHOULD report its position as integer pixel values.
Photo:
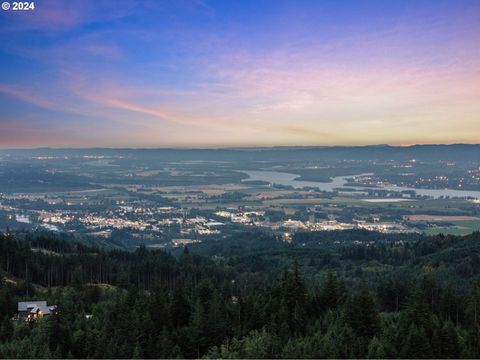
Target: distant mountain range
(454, 152)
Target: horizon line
(234, 147)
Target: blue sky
(239, 73)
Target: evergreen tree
(362, 315)
(417, 345)
(6, 330)
(330, 296)
(449, 342)
(197, 330)
(376, 349)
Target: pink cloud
(27, 95)
(307, 89)
(54, 15)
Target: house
(32, 310)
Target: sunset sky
(200, 73)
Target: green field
(458, 228)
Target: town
(170, 204)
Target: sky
(231, 73)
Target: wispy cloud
(198, 75)
(23, 94)
(57, 16)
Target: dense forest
(264, 304)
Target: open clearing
(441, 218)
(457, 228)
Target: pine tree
(216, 322)
(330, 294)
(6, 330)
(417, 310)
(361, 314)
(259, 345)
(417, 345)
(473, 312)
(166, 345)
(449, 342)
(197, 331)
(57, 354)
(180, 308)
(376, 349)
(137, 352)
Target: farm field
(457, 228)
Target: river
(338, 182)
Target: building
(32, 310)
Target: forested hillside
(409, 299)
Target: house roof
(34, 306)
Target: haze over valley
(267, 179)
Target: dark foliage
(149, 304)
